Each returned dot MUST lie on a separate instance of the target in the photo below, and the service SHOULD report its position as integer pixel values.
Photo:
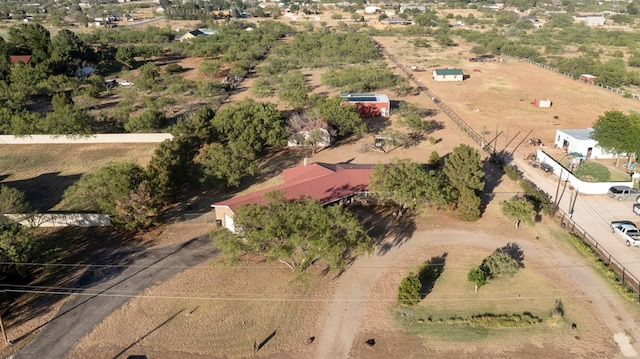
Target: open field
(43, 172)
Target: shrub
(434, 159)
(511, 172)
(409, 290)
(593, 172)
(173, 68)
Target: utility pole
(557, 204)
(4, 334)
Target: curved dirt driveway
(342, 320)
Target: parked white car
(125, 83)
(628, 231)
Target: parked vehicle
(546, 167)
(636, 209)
(628, 231)
(623, 193)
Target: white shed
(448, 75)
(580, 141)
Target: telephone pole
(4, 334)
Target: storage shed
(369, 105)
(588, 78)
(542, 102)
(580, 141)
(448, 75)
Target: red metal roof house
(325, 182)
(25, 59)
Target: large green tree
(612, 131)
(253, 123)
(71, 52)
(227, 164)
(344, 119)
(463, 167)
(407, 184)
(296, 233)
(172, 166)
(31, 39)
(518, 210)
(102, 189)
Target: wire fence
(550, 68)
(624, 275)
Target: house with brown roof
(325, 182)
(24, 59)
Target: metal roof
(446, 72)
(579, 134)
(365, 97)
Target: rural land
(234, 237)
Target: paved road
(80, 315)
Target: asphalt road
(81, 314)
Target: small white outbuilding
(580, 141)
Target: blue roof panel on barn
(368, 97)
(447, 72)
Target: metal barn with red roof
(324, 182)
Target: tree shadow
(44, 191)
(384, 226)
(147, 334)
(493, 172)
(514, 251)
(430, 272)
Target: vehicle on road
(636, 208)
(125, 83)
(546, 167)
(623, 193)
(628, 231)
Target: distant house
(448, 75)
(24, 59)
(419, 8)
(324, 182)
(371, 9)
(580, 141)
(85, 72)
(195, 33)
(369, 105)
(395, 21)
(590, 20)
(190, 35)
(301, 137)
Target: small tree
(434, 159)
(518, 209)
(499, 264)
(409, 290)
(478, 277)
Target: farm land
(228, 309)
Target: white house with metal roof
(580, 141)
(448, 75)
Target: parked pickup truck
(624, 192)
(628, 231)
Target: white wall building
(580, 141)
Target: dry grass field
(43, 172)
